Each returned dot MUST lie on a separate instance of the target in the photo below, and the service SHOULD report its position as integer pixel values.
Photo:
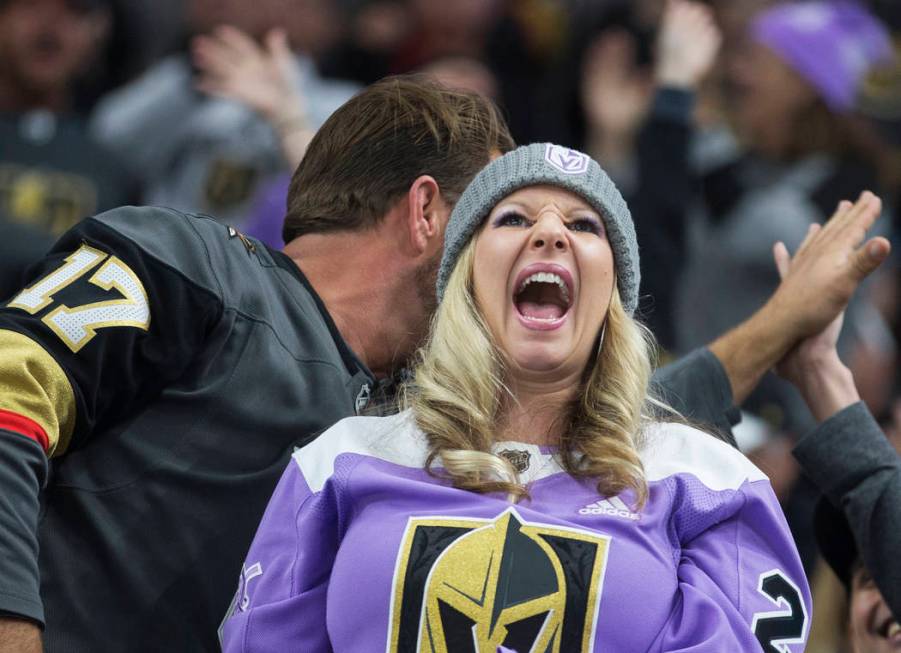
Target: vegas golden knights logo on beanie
(466, 586)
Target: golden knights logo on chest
(471, 585)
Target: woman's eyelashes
(511, 219)
(587, 225)
(583, 224)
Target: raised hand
(815, 289)
(234, 66)
(832, 264)
(820, 348)
(616, 93)
(687, 44)
(829, 266)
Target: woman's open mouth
(543, 296)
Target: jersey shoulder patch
(676, 449)
(394, 439)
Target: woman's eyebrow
(505, 205)
(531, 209)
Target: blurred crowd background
(728, 126)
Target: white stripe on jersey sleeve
(671, 449)
(394, 439)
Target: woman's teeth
(546, 277)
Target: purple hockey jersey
(361, 550)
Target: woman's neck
(536, 415)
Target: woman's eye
(510, 220)
(587, 225)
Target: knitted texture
(545, 163)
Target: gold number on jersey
(77, 325)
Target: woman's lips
(539, 323)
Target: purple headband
(832, 45)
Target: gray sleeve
(23, 471)
(852, 462)
(697, 386)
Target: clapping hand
(819, 282)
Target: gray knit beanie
(545, 163)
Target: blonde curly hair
(458, 392)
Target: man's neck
(361, 281)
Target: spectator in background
(871, 625)
(196, 151)
(233, 66)
(259, 76)
(793, 154)
(794, 89)
(847, 457)
(639, 122)
(52, 174)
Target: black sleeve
(852, 462)
(23, 471)
(666, 186)
(697, 386)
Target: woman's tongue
(540, 310)
(541, 301)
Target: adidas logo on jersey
(615, 507)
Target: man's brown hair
(368, 153)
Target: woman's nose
(549, 232)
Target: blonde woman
(526, 500)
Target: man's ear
(426, 213)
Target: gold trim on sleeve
(32, 384)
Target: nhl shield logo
(569, 162)
(519, 459)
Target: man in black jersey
(159, 368)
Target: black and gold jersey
(155, 376)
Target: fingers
(214, 57)
(812, 230)
(870, 256)
(226, 49)
(279, 50)
(276, 42)
(239, 43)
(782, 259)
(843, 207)
(213, 51)
(860, 217)
(848, 225)
(868, 213)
